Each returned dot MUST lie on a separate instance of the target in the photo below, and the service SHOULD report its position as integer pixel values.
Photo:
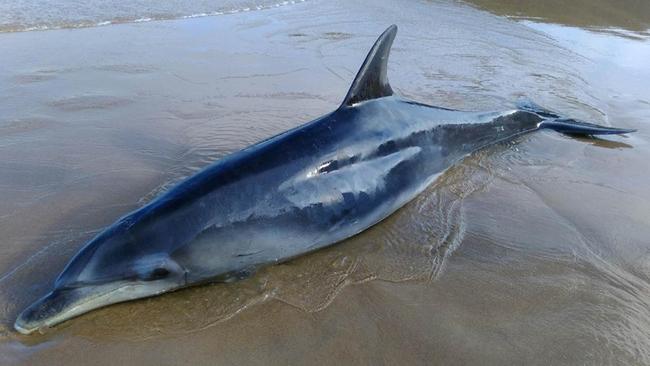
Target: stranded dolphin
(299, 191)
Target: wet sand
(596, 15)
(533, 252)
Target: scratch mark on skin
(249, 253)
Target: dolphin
(294, 193)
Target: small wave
(72, 24)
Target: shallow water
(39, 15)
(534, 251)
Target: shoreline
(9, 28)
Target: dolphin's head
(115, 266)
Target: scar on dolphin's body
(299, 191)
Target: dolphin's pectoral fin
(371, 81)
(361, 177)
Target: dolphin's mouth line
(93, 298)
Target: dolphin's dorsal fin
(371, 81)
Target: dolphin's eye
(157, 274)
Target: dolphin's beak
(66, 303)
(61, 305)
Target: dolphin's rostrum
(299, 191)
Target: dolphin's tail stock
(569, 125)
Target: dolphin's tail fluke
(569, 125)
(576, 127)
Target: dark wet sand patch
(33, 78)
(132, 69)
(80, 103)
(25, 125)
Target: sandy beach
(529, 252)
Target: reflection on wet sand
(600, 142)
